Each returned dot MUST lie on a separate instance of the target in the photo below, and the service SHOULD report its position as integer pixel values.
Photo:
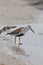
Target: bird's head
(30, 28)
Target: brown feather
(17, 31)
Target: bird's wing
(17, 31)
(22, 30)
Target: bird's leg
(19, 41)
(15, 39)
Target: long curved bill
(32, 30)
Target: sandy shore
(16, 12)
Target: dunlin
(20, 31)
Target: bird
(6, 28)
(21, 31)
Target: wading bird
(20, 31)
(6, 28)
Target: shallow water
(29, 53)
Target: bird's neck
(25, 30)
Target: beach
(19, 13)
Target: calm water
(31, 50)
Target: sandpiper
(21, 31)
(7, 28)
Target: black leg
(15, 39)
(19, 41)
(19, 38)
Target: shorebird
(20, 31)
(6, 28)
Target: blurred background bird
(6, 28)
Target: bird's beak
(32, 30)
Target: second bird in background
(6, 28)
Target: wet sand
(18, 11)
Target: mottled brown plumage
(20, 31)
(17, 31)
